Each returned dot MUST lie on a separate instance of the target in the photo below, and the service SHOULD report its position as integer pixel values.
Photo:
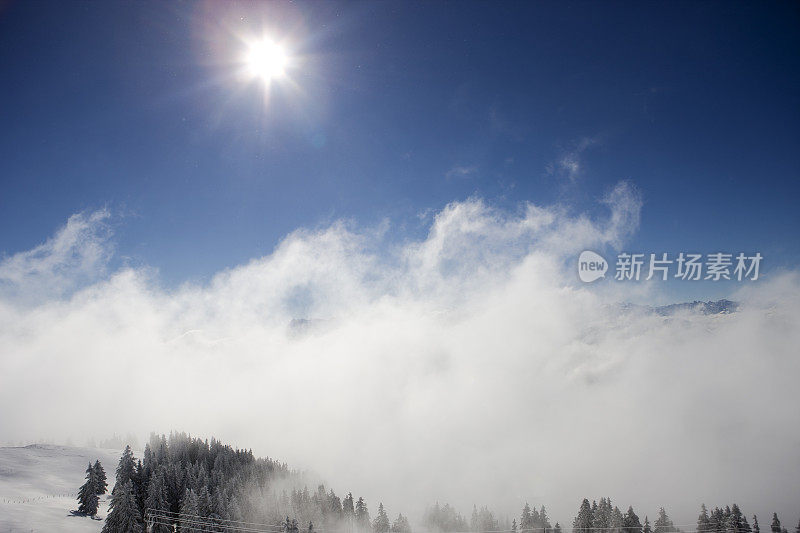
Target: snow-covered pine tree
(756, 528)
(87, 494)
(362, 514)
(526, 520)
(334, 506)
(646, 526)
(219, 507)
(381, 523)
(174, 477)
(663, 524)
(102, 483)
(140, 486)
(544, 520)
(583, 521)
(348, 509)
(716, 520)
(703, 521)
(616, 520)
(557, 528)
(401, 525)
(123, 516)
(601, 519)
(737, 522)
(189, 513)
(204, 504)
(630, 522)
(126, 469)
(775, 527)
(156, 504)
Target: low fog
(469, 366)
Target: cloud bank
(469, 366)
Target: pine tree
(348, 509)
(123, 516)
(776, 524)
(334, 506)
(204, 505)
(381, 523)
(583, 522)
(87, 494)
(189, 513)
(544, 521)
(557, 528)
(139, 486)
(737, 523)
(156, 504)
(401, 525)
(630, 522)
(756, 529)
(362, 514)
(601, 519)
(716, 520)
(797, 529)
(646, 526)
(514, 526)
(126, 469)
(102, 483)
(526, 522)
(663, 524)
(703, 521)
(617, 520)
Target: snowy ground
(39, 484)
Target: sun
(266, 60)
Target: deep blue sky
(134, 106)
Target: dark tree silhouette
(87, 494)
(102, 484)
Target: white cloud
(461, 172)
(467, 367)
(569, 165)
(76, 254)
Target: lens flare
(266, 60)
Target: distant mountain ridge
(718, 307)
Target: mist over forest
(468, 367)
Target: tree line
(604, 518)
(191, 485)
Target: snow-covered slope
(39, 483)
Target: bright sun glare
(266, 60)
